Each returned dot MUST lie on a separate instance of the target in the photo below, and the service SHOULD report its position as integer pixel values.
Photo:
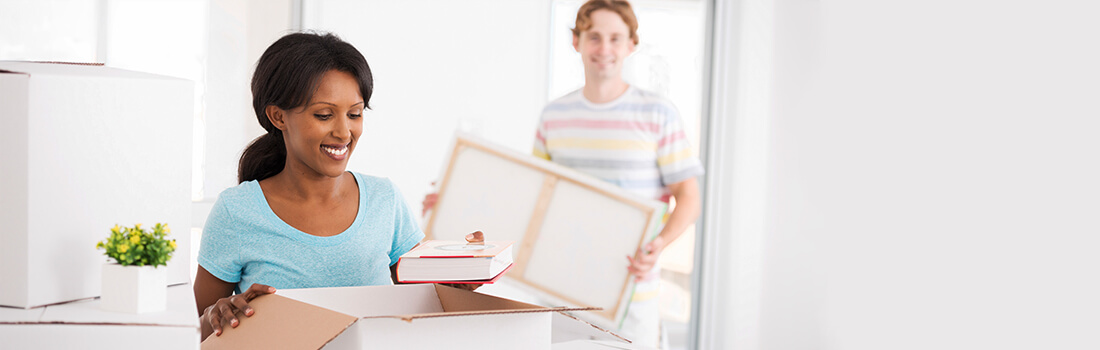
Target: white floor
(677, 333)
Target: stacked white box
(85, 325)
(83, 148)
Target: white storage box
(83, 148)
(84, 325)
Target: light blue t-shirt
(244, 242)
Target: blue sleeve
(219, 252)
(406, 233)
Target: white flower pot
(134, 289)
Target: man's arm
(683, 215)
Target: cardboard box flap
(568, 327)
(282, 323)
(460, 302)
(457, 300)
(6, 71)
(409, 301)
(73, 69)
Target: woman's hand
(474, 238)
(224, 311)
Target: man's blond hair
(620, 7)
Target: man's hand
(645, 258)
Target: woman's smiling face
(321, 135)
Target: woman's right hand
(225, 310)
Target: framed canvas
(572, 231)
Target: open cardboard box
(413, 316)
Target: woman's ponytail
(263, 158)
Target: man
(626, 136)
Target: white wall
(473, 65)
(56, 30)
(239, 32)
(931, 177)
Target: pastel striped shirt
(636, 141)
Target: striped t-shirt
(636, 141)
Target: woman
(298, 219)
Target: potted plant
(135, 281)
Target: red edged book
(455, 262)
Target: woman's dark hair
(286, 76)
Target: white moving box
(83, 148)
(84, 325)
(413, 316)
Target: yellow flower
(128, 245)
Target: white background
(922, 175)
(896, 175)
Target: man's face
(604, 46)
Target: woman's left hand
(476, 237)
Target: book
(437, 261)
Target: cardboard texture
(308, 326)
(417, 316)
(84, 148)
(84, 325)
(571, 230)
